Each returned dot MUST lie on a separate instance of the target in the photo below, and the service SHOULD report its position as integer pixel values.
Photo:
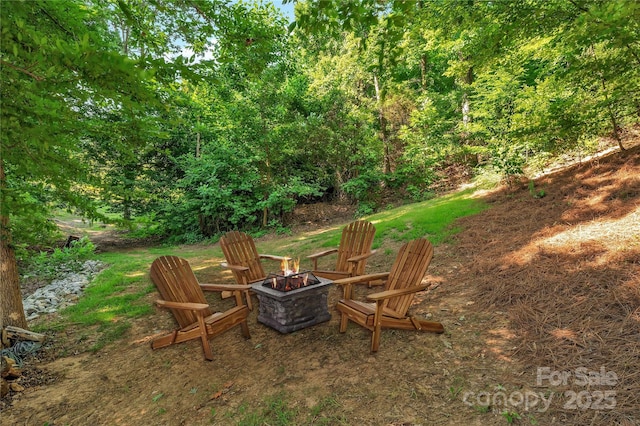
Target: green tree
(530, 78)
(55, 64)
(69, 84)
(248, 167)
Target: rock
(61, 292)
(16, 387)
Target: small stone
(16, 387)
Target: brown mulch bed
(566, 270)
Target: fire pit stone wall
(295, 309)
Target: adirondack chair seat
(364, 313)
(215, 323)
(352, 253)
(388, 308)
(183, 296)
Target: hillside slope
(535, 295)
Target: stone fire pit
(292, 310)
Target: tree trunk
(423, 72)
(129, 184)
(265, 217)
(466, 107)
(383, 125)
(11, 309)
(612, 117)
(198, 140)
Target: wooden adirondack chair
(244, 260)
(388, 309)
(183, 295)
(353, 251)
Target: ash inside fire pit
(290, 282)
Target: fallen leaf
(222, 391)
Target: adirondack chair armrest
(362, 278)
(346, 283)
(358, 258)
(237, 268)
(322, 253)
(314, 257)
(387, 294)
(182, 305)
(273, 257)
(224, 287)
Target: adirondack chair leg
(248, 297)
(344, 320)
(370, 284)
(377, 328)
(375, 338)
(245, 330)
(206, 347)
(238, 296)
(227, 294)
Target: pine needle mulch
(565, 269)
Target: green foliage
(48, 266)
(146, 226)
(510, 416)
(419, 194)
(365, 189)
(101, 106)
(508, 160)
(454, 391)
(432, 219)
(283, 198)
(219, 191)
(325, 405)
(535, 193)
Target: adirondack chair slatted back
(408, 270)
(239, 249)
(176, 283)
(357, 239)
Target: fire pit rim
(277, 294)
(313, 280)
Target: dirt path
(549, 283)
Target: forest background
(187, 119)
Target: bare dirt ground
(539, 296)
